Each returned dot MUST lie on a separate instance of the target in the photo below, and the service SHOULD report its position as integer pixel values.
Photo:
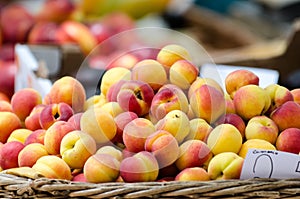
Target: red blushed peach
(101, 168)
(135, 134)
(111, 150)
(8, 123)
(200, 81)
(163, 146)
(235, 120)
(151, 72)
(55, 112)
(169, 97)
(79, 178)
(30, 154)
(19, 135)
(5, 106)
(55, 134)
(296, 95)
(36, 136)
(9, 154)
(183, 73)
(68, 90)
(199, 130)
(121, 121)
(24, 100)
(208, 103)
(193, 174)
(171, 53)
(75, 120)
(32, 121)
(193, 153)
(141, 167)
(51, 166)
(229, 104)
(287, 115)
(99, 124)
(288, 140)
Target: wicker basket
(13, 186)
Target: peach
(296, 95)
(69, 90)
(169, 97)
(199, 130)
(183, 73)
(262, 127)
(24, 100)
(51, 166)
(288, 140)
(8, 69)
(163, 146)
(99, 124)
(135, 134)
(286, 115)
(235, 120)
(19, 135)
(141, 167)
(151, 72)
(224, 138)
(75, 120)
(175, 122)
(112, 76)
(226, 165)
(127, 60)
(52, 113)
(171, 53)
(30, 154)
(5, 106)
(208, 103)
(193, 153)
(101, 168)
(36, 136)
(279, 95)
(229, 104)
(32, 121)
(113, 108)
(43, 32)
(193, 174)
(111, 150)
(79, 178)
(4, 97)
(255, 144)
(54, 134)
(95, 100)
(76, 147)
(200, 81)
(239, 78)
(8, 123)
(9, 154)
(251, 100)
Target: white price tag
(270, 164)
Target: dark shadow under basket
(13, 186)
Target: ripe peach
(9, 154)
(5, 106)
(251, 100)
(19, 135)
(255, 144)
(286, 115)
(79, 178)
(30, 154)
(163, 146)
(101, 168)
(208, 103)
(135, 134)
(224, 138)
(76, 147)
(239, 78)
(8, 123)
(288, 140)
(199, 130)
(229, 104)
(200, 81)
(169, 97)
(175, 122)
(112, 108)
(36, 136)
(193, 153)
(43, 32)
(296, 95)
(141, 167)
(54, 134)
(192, 174)
(24, 100)
(51, 166)
(95, 100)
(99, 124)
(171, 53)
(32, 121)
(111, 150)
(69, 90)
(75, 120)
(235, 120)
(55, 112)
(4, 97)
(151, 72)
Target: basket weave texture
(13, 186)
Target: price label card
(270, 164)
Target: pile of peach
(158, 120)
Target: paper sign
(270, 164)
